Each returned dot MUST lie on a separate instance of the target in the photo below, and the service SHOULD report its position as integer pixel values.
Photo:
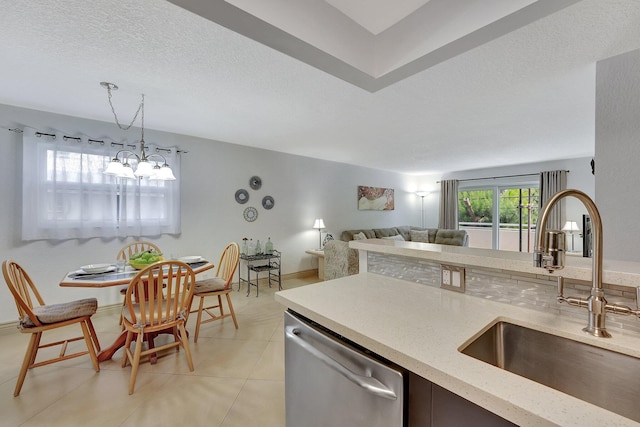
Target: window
(66, 195)
(499, 217)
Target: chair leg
(32, 349)
(233, 313)
(200, 308)
(94, 336)
(89, 341)
(36, 347)
(185, 344)
(120, 319)
(127, 345)
(220, 305)
(135, 362)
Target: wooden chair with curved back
(218, 286)
(151, 309)
(130, 249)
(35, 318)
(136, 247)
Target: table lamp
(571, 227)
(319, 224)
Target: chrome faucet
(549, 254)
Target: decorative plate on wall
(242, 196)
(268, 202)
(255, 182)
(250, 214)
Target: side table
(320, 255)
(259, 263)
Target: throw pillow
(396, 237)
(359, 236)
(451, 237)
(419, 236)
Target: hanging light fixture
(122, 168)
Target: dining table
(113, 277)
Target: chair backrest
(228, 263)
(158, 305)
(23, 290)
(136, 247)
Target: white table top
(74, 280)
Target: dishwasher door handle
(369, 384)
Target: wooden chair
(136, 247)
(130, 249)
(35, 318)
(218, 286)
(150, 309)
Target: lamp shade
(571, 226)
(114, 168)
(166, 173)
(127, 172)
(144, 169)
(422, 193)
(319, 223)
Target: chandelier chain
(115, 116)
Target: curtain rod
(90, 140)
(502, 176)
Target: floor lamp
(319, 224)
(422, 194)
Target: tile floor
(238, 379)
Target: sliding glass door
(499, 217)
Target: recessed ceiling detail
(335, 35)
(377, 15)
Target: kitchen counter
(620, 273)
(421, 329)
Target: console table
(269, 263)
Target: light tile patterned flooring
(238, 379)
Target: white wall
(212, 171)
(618, 154)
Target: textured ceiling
(526, 96)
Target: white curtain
(66, 195)
(550, 183)
(448, 217)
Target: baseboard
(301, 274)
(8, 326)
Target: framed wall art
(375, 199)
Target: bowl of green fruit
(144, 259)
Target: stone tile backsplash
(537, 292)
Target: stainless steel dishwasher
(329, 382)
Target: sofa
(341, 260)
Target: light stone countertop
(622, 273)
(421, 328)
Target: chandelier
(144, 168)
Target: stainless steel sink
(602, 377)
